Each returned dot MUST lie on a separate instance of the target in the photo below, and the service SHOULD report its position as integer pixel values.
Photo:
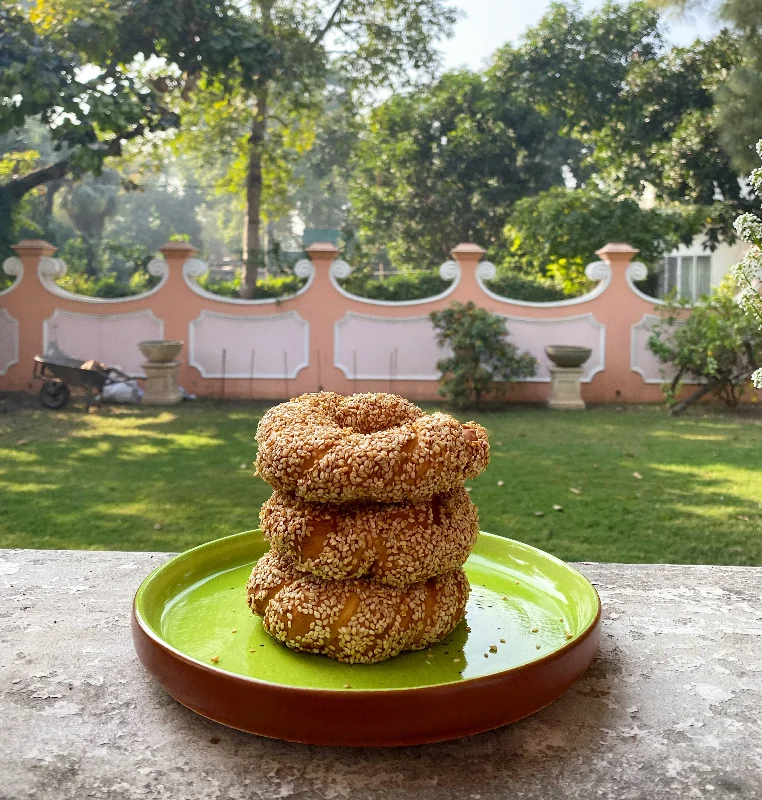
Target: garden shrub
(275, 286)
(523, 287)
(482, 361)
(399, 287)
(108, 285)
(420, 285)
(716, 343)
(748, 273)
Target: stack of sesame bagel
(369, 524)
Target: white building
(694, 270)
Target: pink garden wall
(323, 337)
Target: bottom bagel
(356, 621)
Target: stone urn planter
(565, 375)
(161, 370)
(160, 352)
(567, 355)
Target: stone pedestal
(565, 389)
(161, 383)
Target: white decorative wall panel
(9, 341)
(110, 338)
(265, 346)
(642, 360)
(373, 348)
(376, 348)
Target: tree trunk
(7, 205)
(253, 241)
(689, 401)
(50, 199)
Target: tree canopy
(444, 165)
(558, 232)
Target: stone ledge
(671, 709)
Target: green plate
(530, 600)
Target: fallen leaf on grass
(539, 513)
(575, 491)
(22, 441)
(637, 475)
(469, 489)
(742, 517)
(244, 466)
(501, 483)
(558, 508)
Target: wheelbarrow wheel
(54, 395)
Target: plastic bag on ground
(126, 392)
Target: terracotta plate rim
(500, 675)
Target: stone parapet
(669, 710)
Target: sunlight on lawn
(650, 488)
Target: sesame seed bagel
(359, 622)
(393, 544)
(326, 448)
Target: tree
(740, 118)
(482, 358)
(572, 66)
(100, 75)
(644, 114)
(374, 43)
(88, 205)
(557, 232)
(89, 117)
(444, 165)
(717, 344)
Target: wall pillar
(27, 302)
(618, 383)
(468, 256)
(322, 310)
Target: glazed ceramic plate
(532, 628)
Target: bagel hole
(436, 510)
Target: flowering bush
(748, 273)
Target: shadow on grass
(146, 480)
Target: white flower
(749, 228)
(749, 268)
(748, 300)
(756, 180)
(756, 379)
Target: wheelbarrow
(58, 373)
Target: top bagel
(326, 448)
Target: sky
(487, 24)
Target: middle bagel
(395, 544)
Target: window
(689, 275)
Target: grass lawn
(170, 479)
